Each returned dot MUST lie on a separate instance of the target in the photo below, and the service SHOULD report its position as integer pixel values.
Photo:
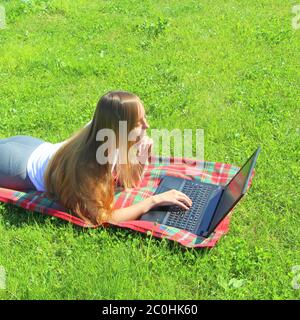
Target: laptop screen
(234, 190)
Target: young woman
(70, 171)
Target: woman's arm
(134, 212)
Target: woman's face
(142, 122)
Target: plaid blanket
(212, 172)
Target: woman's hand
(144, 149)
(134, 212)
(172, 197)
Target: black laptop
(211, 203)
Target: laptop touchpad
(173, 183)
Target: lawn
(230, 68)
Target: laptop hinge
(209, 211)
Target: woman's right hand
(134, 212)
(172, 197)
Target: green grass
(230, 68)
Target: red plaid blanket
(212, 172)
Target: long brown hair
(76, 179)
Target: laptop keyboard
(189, 219)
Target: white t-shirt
(38, 162)
(39, 159)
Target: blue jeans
(14, 155)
